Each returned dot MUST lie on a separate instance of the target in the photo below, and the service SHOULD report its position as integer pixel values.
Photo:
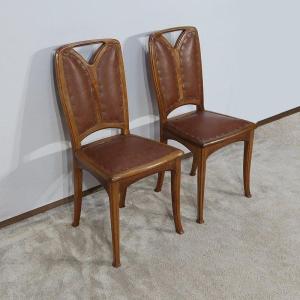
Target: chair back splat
(176, 70)
(93, 93)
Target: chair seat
(204, 127)
(124, 155)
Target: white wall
(250, 60)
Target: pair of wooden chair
(93, 96)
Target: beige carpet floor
(247, 249)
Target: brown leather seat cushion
(205, 127)
(122, 153)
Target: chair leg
(77, 173)
(160, 181)
(201, 185)
(175, 186)
(248, 145)
(194, 165)
(123, 191)
(114, 200)
(161, 175)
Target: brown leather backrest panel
(82, 96)
(176, 70)
(110, 86)
(93, 94)
(165, 62)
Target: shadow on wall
(139, 86)
(144, 115)
(42, 148)
(42, 151)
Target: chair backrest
(93, 93)
(176, 70)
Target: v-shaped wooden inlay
(175, 52)
(93, 60)
(178, 41)
(90, 68)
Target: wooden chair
(177, 76)
(93, 96)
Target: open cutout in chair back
(176, 70)
(93, 93)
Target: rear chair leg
(123, 191)
(161, 175)
(77, 173)
(160, 181)
(248, 145)
(175, 186)
(194, 165)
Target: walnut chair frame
(177, 76)
(93, 97)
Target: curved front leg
(114, 201)
(77, 173)
(201, 184)
(248, 145)
(175, 186)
